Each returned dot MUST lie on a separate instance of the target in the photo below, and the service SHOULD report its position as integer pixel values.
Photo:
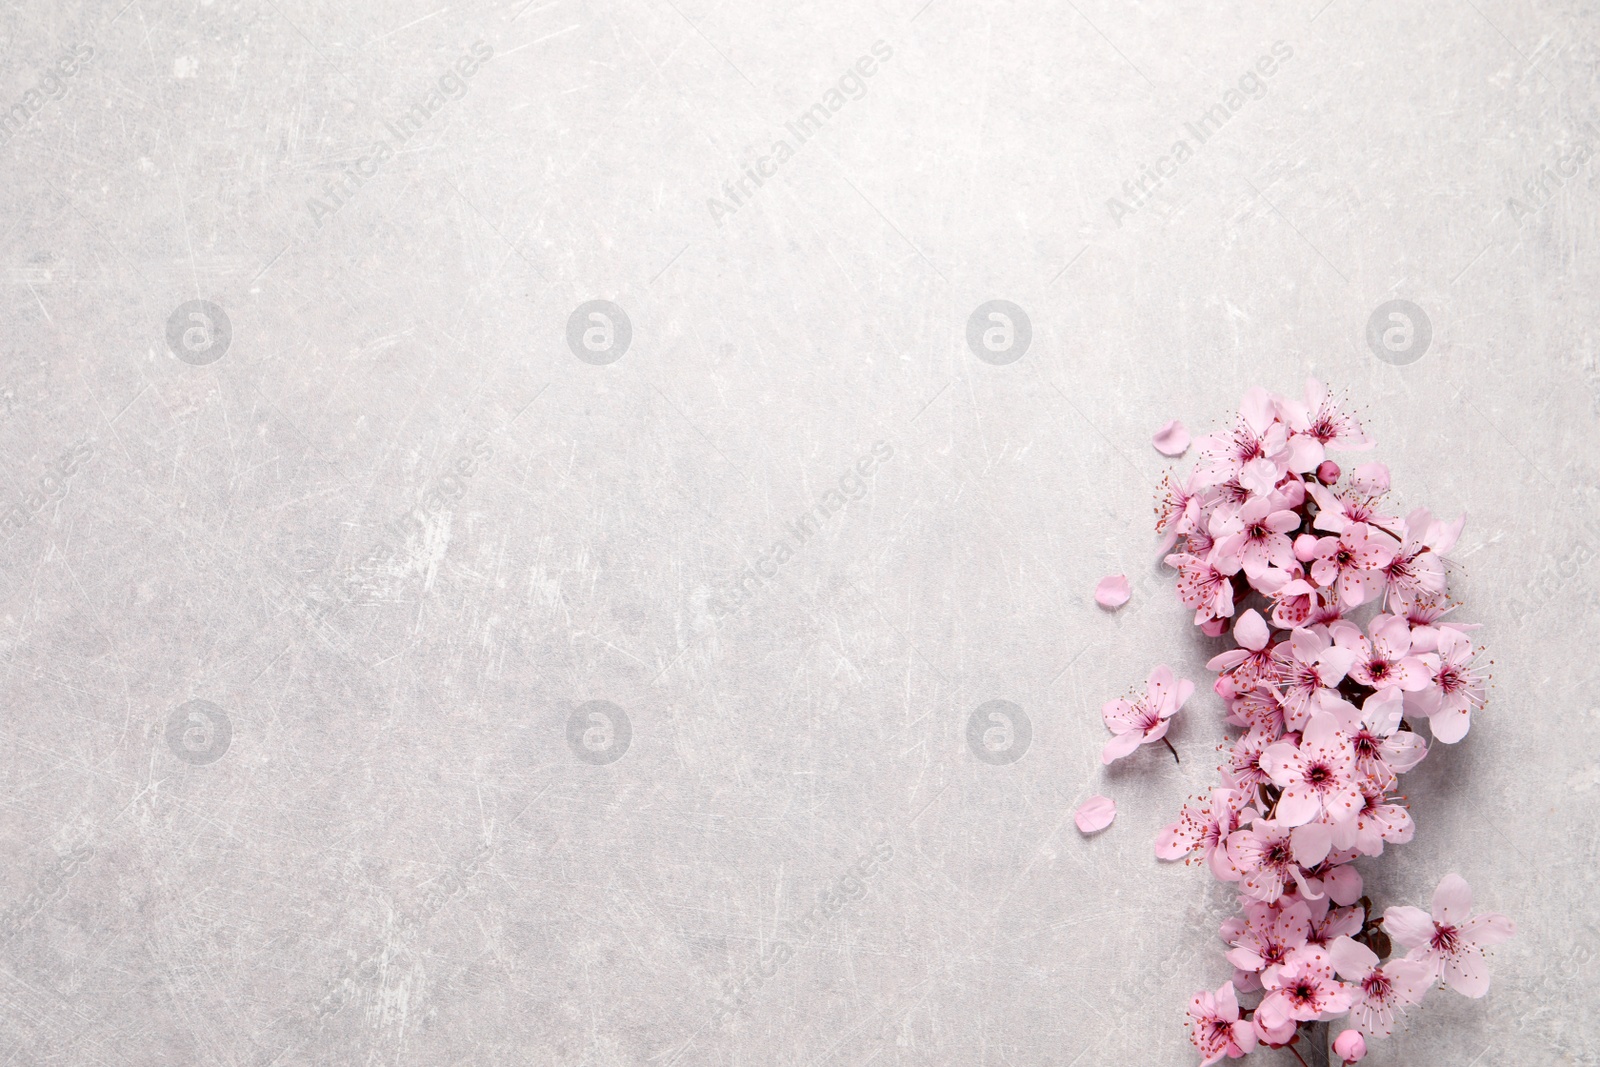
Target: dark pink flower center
(1303, 993)
(1365, 744)
(1326, 428)
(1446, 939)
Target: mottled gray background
(396, 856)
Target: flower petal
(1452, 901)
(1172, 439)
(1490, 928)
(1452, 725)
(1412, 927)
(1227, 1003)
(1343, 884)
(1176, 841)
(1120, 746)
(1467, 973)
(1119, 716)
(1375, 475)
(1095, 814)
(1353, 960)
(1298, 806)
(1251, 631)
(1112, 591)
(1411, 979)
(1311, 843)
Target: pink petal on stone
(1172, 439)
(1095, 814)
(1112, 592)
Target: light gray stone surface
(396, 856)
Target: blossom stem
(1299, 1057)
(1170, 749)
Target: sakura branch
(1342, 649)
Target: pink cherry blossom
(1339, 509)
(1415, 571)
(1353, 562)
(1112, 591)
(1178, 511)
(1255, 537)
(1308, 665)
(1455, 691)
(1424, 615)
(1270, 934)
(1252, 661)
(1342, 642)
(1378, 822)
(1216, 1028)
(1267, 855)
(1293, 599)
(1095, 814)
(1260, 708)
(1451, 940)
(1318, 425)
(1145, 721)
(1382, 749)
(1256, 435)
(1172, 439)
(1244, 757)
(1316, 776)
(1304, 989)
(1203, 587)
(1386, 660)
(1382, 992)
(1204, 829)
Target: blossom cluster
(1343, 645)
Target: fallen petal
(1112, 592)
(1095, 814)
(1172, 439)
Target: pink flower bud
(1327, 472)
(1350, 1046)
(1224, 687)
(1214, 627)
(1305, 547)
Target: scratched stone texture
(395, 665)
